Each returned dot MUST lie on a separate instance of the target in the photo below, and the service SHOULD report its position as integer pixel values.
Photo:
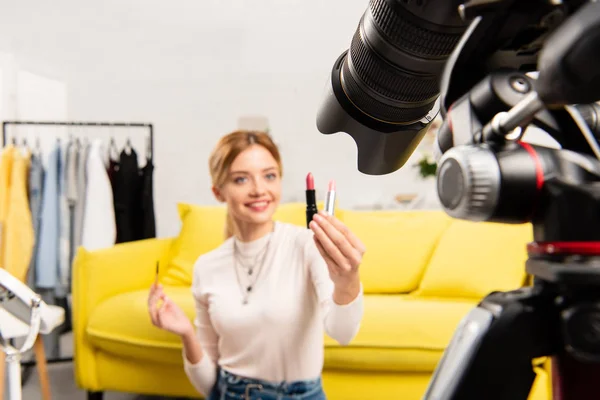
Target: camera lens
(379, 74)
(384, 88)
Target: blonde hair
(226, 151)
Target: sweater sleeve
(203, 374)
(342, 322)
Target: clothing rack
(150, 127)
(28, 365)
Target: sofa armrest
(101, 274)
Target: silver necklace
(247, 289)
(250, 268)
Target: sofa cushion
(121, 325)
(399, 246)
(398, 333)
(203, 229)
(473, 259)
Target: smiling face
(252, 189)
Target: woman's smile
(258, 205)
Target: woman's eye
(239, 179)
(271, 176)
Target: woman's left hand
(341, 249)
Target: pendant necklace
(247, 289)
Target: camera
(492, 69)
(475, 63)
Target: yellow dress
(19, 235)
(6, 163)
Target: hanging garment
(112, 170)
(47, 267)
(71, 195)
(35, 187)
(81, 184)
(127, 197)
(113, 167)
(64, 225)
(6, 163)
(99, 230)
(71, 173)
(148, 224)
(19, 236)
(113, 161)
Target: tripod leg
(14, 376)
(458, 354)
(573, 379)
(2, 373)
(40, 358)
(490, 355)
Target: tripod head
(487, 173)
(484, 174)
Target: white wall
(27, 96)
(192, 69)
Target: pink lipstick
(330, 199)
(311, 198)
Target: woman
(264, 297)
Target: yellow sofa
(422, 272)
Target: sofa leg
(95, 395)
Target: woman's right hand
(167, 315)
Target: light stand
(22, 314)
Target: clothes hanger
(113, 148)
(23, 147)
(128, 147)
(148, 149)
(82, 142)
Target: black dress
(148, 223)
(126, 194)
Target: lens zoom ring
(409, 37)
(387, 80)
(376, 109)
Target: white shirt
(278, 336)
(99, 225)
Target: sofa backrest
(473, 259)
(399, 246)
(422, 252)
(203, 229)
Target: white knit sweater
(278, 335)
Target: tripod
(490, 356)
(486, 175)
(23, 314)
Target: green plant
(426, 167)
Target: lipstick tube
(330, 199)
(311, 199)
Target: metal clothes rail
(150, 127)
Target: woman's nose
(258, 187)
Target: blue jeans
(233, 387)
